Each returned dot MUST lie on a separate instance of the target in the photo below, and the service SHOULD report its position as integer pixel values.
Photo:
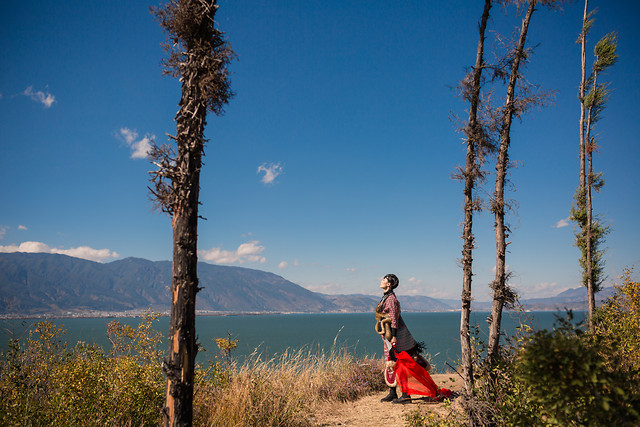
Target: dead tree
(198, 55)
(477, 141)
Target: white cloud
(246, 252)
(271, 172)
(414, 281)
(562, 223)
(84, 252)
(283, 264)
(45, 99)
(139, 147)
(3, 231)
(22, 227)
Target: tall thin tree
(586, 25)
(593, 95)
(477, 141)
(198, 54)
(501, 292)
(515, 105)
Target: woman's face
(385, 285)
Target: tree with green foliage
(198, 56)
(590, 230)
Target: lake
(273, 334)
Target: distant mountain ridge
(34, 284)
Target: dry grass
(283, 390)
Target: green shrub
(566, 381)
(616, 328)
(560, 377)
(43, 382)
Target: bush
(616, 327)
(43, 382)
(567, 382)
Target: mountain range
(36, 284)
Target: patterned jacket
(389, 305)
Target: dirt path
(370, 412)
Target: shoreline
(166, 313)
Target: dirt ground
(369, 411)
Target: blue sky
(332, 164)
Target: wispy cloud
(140, 147)
(271, 172)
(22, 227)
(45, 99)
(543, 289)
(246, 252)
(562, 223)
(84, 252)
(327, 288)
(286, 264)
(411, 286)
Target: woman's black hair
(393, 280)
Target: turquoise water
(274, 334)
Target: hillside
(51, 285)
(33, 284)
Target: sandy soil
(369, 411)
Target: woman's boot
(402, 399)
(389, 397)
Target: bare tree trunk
(500, 291)
(583, 83)
(198, 55)
(182, 330)
(470, 174)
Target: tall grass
(43, 381)
(283, 390)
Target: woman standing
(401, 338)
